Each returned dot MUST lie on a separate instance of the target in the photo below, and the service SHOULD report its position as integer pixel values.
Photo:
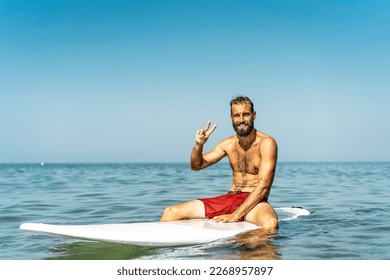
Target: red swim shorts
(223, 204)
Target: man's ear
(254, 115)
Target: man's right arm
(197, 157)
(200, 161)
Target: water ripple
(349, 204)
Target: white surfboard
(174, 233)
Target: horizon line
(182, 162)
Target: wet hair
(241, 99)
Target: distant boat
(42, 163)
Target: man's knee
(263, 216)
(187, 210)
(168, 214)
(171, 213)
(270, 224)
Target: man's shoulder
(265, 136)
(225, 143)
(268, 145)
(265, 139)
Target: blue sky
(124, 81)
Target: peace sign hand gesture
(203, 134)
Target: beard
(243, 129)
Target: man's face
(242, 119)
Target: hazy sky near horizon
(124, 81)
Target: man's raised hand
(203, 134)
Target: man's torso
(245, 162)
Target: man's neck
(247, 141)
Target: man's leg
(188, 210)
(264, 216)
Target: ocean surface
(349, 205)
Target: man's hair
(242, 99)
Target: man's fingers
(204, 133)
(207, 125)
(212, 129)
(219, 219)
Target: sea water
(349, 205)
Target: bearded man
(253, 156)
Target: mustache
(245, 131)
(242, 122)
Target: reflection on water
(87, 250)
(253, 245)
(257, 245)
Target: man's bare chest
(245, 161)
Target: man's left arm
(268, 150)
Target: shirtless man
(253, 156)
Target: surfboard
(175, 233)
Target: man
(253, 156)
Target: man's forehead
(241, 106)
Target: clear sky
(124, 81)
